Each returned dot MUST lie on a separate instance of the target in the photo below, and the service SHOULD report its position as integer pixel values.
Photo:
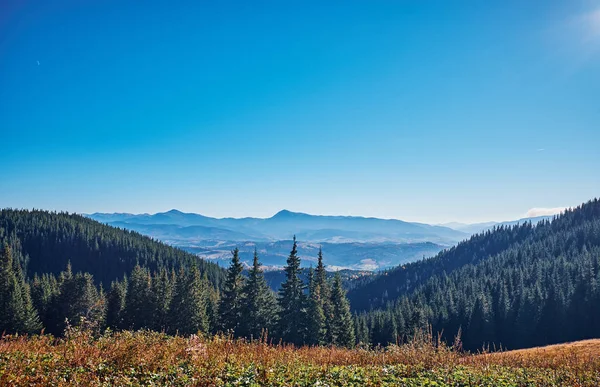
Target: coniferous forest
(121, 280)
(514, 287)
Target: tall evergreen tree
(43, 290)
(115, 304)
(325, 298)
(232, 302)
(342, 325)
(481, 328)
(292, 301)
(188, 306)
(316, 330)
(260, 305)
(77, 300)
(162, 290)
(212, 306)
(139, 300)
(17, 313)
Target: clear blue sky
(423, 111)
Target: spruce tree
(43, 291)
(481, 329)
(325, 297)
(212, 306)
(342, 326)
(162, 293)
(232, 303)
(316, 318)
(17, 313)
(188, 306)
(139, 300)
(292, 301)
(260, 305)
(115, 304)
(77, 300)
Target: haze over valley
(350, 242)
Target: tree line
(511, 287)
(44, 242)
(514, 287)
(181, 302)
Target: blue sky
(422, 111)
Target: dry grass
(149, 358)
(584, 355)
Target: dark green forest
(60, 270)
(514, 287)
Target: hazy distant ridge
(283, 225)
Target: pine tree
(43, 291)
(342, 327)
(212, 306)
(325, 296)
(162, 290)
(292, 301)
(316, 318)
(260, 305)
(78, 300)
(232, 302)
(115, 304)
(188, 306)
(17, 313)
(481, 328)
(139, 300)
(362, 330)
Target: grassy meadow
(154, 359)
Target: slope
(44, 242)
(517, 287)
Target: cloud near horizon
(535, 212)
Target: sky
(430, 111)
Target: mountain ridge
(286, 223)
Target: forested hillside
(59, 270)
(514, 286)
(44, 242)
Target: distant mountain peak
(284, 214)
(174, 212)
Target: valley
(351, 243)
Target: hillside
(476, 228)
(44, 242)
(584, 350)
(514, 287)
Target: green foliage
(513, 287)
(316, 331)
(17, 313)
(293, 302)
(259, 312)
(188, 310)
(232, 299)
(139, 299)
(44, 242)
(342, 325)
(115, 305)
(162, 294)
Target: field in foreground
(154, 359)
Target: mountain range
(281, 226)
(349, 242)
